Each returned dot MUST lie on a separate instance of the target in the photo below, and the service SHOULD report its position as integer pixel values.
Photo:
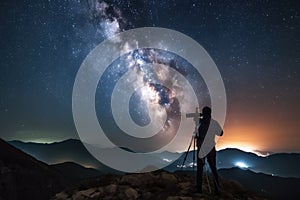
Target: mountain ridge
(176, 152)
(17, 169)
(281, 164)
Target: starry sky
(255, 44)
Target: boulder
(131, 194)
(132, 180)
(88, 192)
(61, 196)
(111, 189)
(168, 178)
(179, 198)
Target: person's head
(206, 111)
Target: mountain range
(24, 177)
(283, 164)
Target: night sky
(255, 44)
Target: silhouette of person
(206, 147)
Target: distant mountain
(24, 177)
(59, 152)
(284, 165)
(76, 172)
(73, 151)
(272, 186)
(280, 164)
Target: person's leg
(211, 159)
(200, 164)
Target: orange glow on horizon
(256, 137)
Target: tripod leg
(186, 153)
(212, 164)
(194, 154)
(206, 171)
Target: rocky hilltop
(155, 185)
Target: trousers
(211, 159)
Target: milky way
(148, 76)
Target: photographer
(205, 140)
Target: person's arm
(220, 130)
(221, 133)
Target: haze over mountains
(283, 164)
(59, 152)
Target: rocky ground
(155, 185)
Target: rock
(149, 168)
(172, 198)
(149, 178)
(132, 180)
(92, 193)
(131, 193)
(169, 178)
(112, 188)
(61, 196)
(77, 196)
(185, 187)
(179, 198)
(108, 198)
(96, 195)
(88, 192)
(186, 198)
(167, 181)
(146, 195)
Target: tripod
(195, 117)
(193, 141)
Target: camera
(197, 117)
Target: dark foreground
(155, 185)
